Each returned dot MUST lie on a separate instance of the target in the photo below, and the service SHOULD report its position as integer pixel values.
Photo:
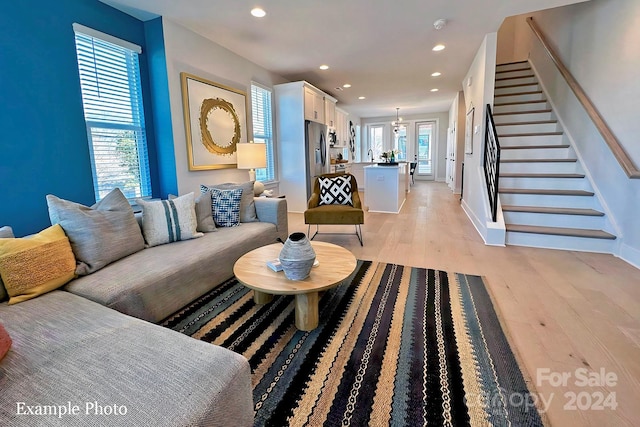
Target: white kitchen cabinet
(313, 105)
(342, 128)
(330, 111)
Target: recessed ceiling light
(438, 47)
(436, 74)
(324, 67)
(258, 12)
(346, 85)
(434, 90)
(361, 97)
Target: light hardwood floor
(563, 310)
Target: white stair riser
(535, 153)
(517, 89)
(516, 66)
(520, 73)
(581, 202)
(539, 167)
(506, 141)
(519, 98)
(555, 220)
(530, 106)
(531, 117)
(560, 242)
(519, 81)
(547, 183)
(527, 128)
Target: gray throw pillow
(5, 233)
(100, 234)
(203, 212)
(247, 205)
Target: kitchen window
(113, 112)
(376, 140)
(261, 111)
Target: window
(376, 140)
(263, 128)
(400, 142)
(112, 101)
(425, 135)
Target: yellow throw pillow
(36, 265)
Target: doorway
(425, 142)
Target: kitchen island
(385, 187)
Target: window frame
(269, 173)
(109, 67)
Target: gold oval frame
(210, 144)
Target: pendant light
(396, 124)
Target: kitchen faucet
(370, 152)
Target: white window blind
(263, 128)
(114, 115)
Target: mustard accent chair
(334, 214)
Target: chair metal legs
(358, 232)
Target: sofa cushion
(226, 207)
(166, 221)
(5, 342)
(37, 265)
(5, 232)
(247, 205)
(204, 215)
(100, 234)
(69, 349)
(154, 283)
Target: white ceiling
(382, 48)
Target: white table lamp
(251, 156)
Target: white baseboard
(630, 255)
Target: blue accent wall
(159, 81)
(43, 139)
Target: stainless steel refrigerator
(316, 149)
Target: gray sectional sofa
(90, 354)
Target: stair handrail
(618, 151)
(491, 162)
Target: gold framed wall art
(215, 120)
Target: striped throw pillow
(166, 221)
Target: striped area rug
(395, 346)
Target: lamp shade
(251, 155)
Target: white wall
(457, 123)
(478, 95)
(598, 42)
(189, 52)
(440, 149)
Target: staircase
(546, 199)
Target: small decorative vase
(393, 157)
(297, 257)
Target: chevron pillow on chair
(335, 190)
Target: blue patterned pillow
(225, 205)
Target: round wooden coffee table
(335, 264)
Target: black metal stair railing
(491, 162)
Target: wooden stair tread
(560, 231)
(535, 147)
(508, 113)
(511, 71)
(512, 63)
(504, 104)
(550, 210)
(515, 85)
(538, 160)
(533, 92)
(501, 79)
(541, 175)
(509, 135)
(535, 122)
(544, 191)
